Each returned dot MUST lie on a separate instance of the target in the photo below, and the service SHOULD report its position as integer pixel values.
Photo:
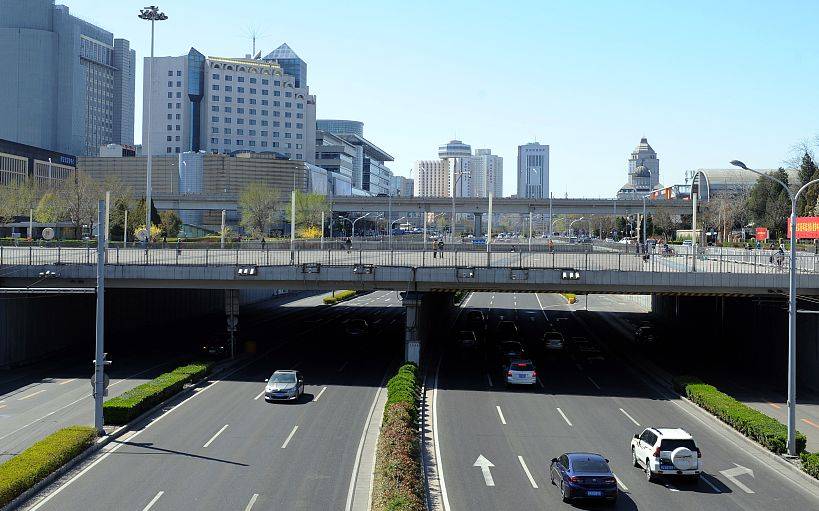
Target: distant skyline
(704, 82)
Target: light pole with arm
(455, 177)
(571, 231)
(794, 197)
(152, 14)
(356, 220)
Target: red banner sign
(762, 233)
(806, 227)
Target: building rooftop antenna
(254, 33)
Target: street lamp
(791, 305)
(455, 177)
(571, 231)
(645, 239)
(152, 14)
(356, 220)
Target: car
(687, 243)
(356, 327)
(506, 330)
(476, 319)
(466, 339)
(645, 334)
(666, 451)
(215, 348)
(284, 385)
(520, 372)
(583, 475)
(510, 350)
(553, 341)
(609, 240)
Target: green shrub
(750, 422)
(459, 296)
(131, 404)
(330, 300)
(810, 463)
(339, 296)
(41, 459)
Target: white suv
(666, 451)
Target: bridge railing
(507, 256)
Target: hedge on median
(131, 404)
(399, 484)
(810, 463)
(339, 296)
(570, 297)
(750, 422)
(41, 459)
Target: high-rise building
(369, 172)
(67, 85)
(643, 172)
(457, 151)
(485, 173)
(402, 186)
(291, 63)
(224, 105)
(432, 178)
(533, 171)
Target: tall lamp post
(356, 220)
(152, 14)
(791, 304)
(571, 230)
(455, 177)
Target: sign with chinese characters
(807, 227)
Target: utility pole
(99, 352)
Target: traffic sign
(48, 233)
(105, 381)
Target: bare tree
(257, 204)
(723, 210)
(78, 198)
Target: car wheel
(634, 460)
(564, 493)
(649, 475)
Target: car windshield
(583, 465)
(523, 366)
(283, 378)
(509, 347)
(670, 445)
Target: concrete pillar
(412, 336)
(478, 224)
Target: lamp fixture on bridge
(569, 274)
(48, 274)
(465, 273)
(311, 268)
(363, 268)
(246, 271)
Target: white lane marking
(2, 406)
(67, 381)
(214, 436)
(671, 487)
(526, 470)
(489, 379)
(491, 302)
(439, 462)
(319, 394)
(594, 383)
(260, 395)
(579, 367)
(484, 465)
(619, 482)
(500, 414)
(733, 473)
(564, 416)
(289, 437)
(344, 365)
(466, 302)
(252, 501)
(540, 382)
(706, 480)
(153, 501)
(31, 395)
(630, 417)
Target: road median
(340, 296)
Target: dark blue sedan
(583, 475)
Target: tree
(17, 199)
(663, 222)
(48, 209)
(808, 171)
(170, 223)
(121, 201)
(769, 205)
(77, 198)
(724, 210)
(257, 204)
(309, 207)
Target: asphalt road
(226, 448)
(590, 402)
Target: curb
(103, 441)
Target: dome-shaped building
(643, 172)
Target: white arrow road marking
(733, 473)
(526, 470)
(485, 464)
(216, 435)
(500, 414)
(630, 417)
(564, 416)
(153, 501)
(252, 501)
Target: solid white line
(440, 463)
(709, 483)
(319, 394)
(594, 383)
(526, 470)
(579, 367)
(67, 381)
(630, 417)
(31, 395)
(623, 486)
(500, 413)
(341, 369)
(540, 383)
(489, 379)
(214, 436)
(260, 395)
(153, 501)
(252, 501)
(564, 417)
(287, 441)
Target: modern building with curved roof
(712, 182)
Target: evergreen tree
(808, 171)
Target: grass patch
(399, 484)
(339, 296)
(41, 459)
(460, 296)
(122, 409)
(810, 463)
(750, 422)
(570, 297)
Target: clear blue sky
(705, 81)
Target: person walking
(441, 248)
(551, 245)
(349, 244)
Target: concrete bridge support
(478, 224)
(426, 321)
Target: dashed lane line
(252, 501)
(630, 417)
(153, 501)
(526, 471)
(258, 396)
(289, 437)
(27, 396)
(500, 414)
(594, 383)
(489, 379)
(67, 381)
(564, 417)
(214, 436)
(811, 423)
(319, 394)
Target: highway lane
(226, 448)
(585, 402)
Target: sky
(706, 82)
